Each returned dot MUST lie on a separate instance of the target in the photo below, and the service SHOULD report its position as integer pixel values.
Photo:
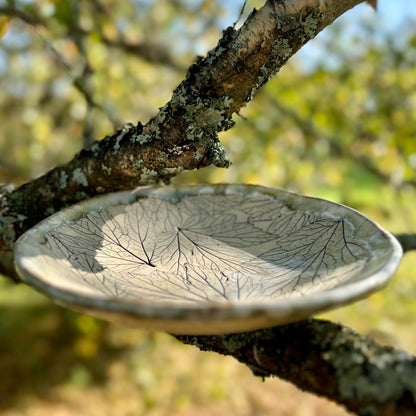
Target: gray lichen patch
(281, 51)
(298, 28)
(121, 133)
(8, 234)
(106, 169)
(137, 164)
(206, 115)
(148, 176)
(291, 30)
(199, 115)
(206, 118)
(152, 130)
(361, 369)
(310, 25)
(96, 149)
(63, 180)
(279, 54)
(79, 177)
(223, 44)
(214, 54)
(7, 227)
(172, 171)
(198, 155)
(218, 156)
(160, 117)
(141, 138)
(162, 157)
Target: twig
(12, 11)
(152, 53)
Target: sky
(390, 12)
(393, 17)
(390, 18)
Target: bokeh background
(338, 122)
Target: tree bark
(407, 241)
(329, 360)
(318, 356)
(184, 133)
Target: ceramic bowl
(206, 259)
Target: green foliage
(87, 67)
(349, 129)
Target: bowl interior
(223, 246)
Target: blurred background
(338, 122)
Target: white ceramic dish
(206, 259)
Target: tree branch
(317, 356)
(326, 359)
(407, 241)
(184, 134)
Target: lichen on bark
(183, 135)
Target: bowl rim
(305, 306)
